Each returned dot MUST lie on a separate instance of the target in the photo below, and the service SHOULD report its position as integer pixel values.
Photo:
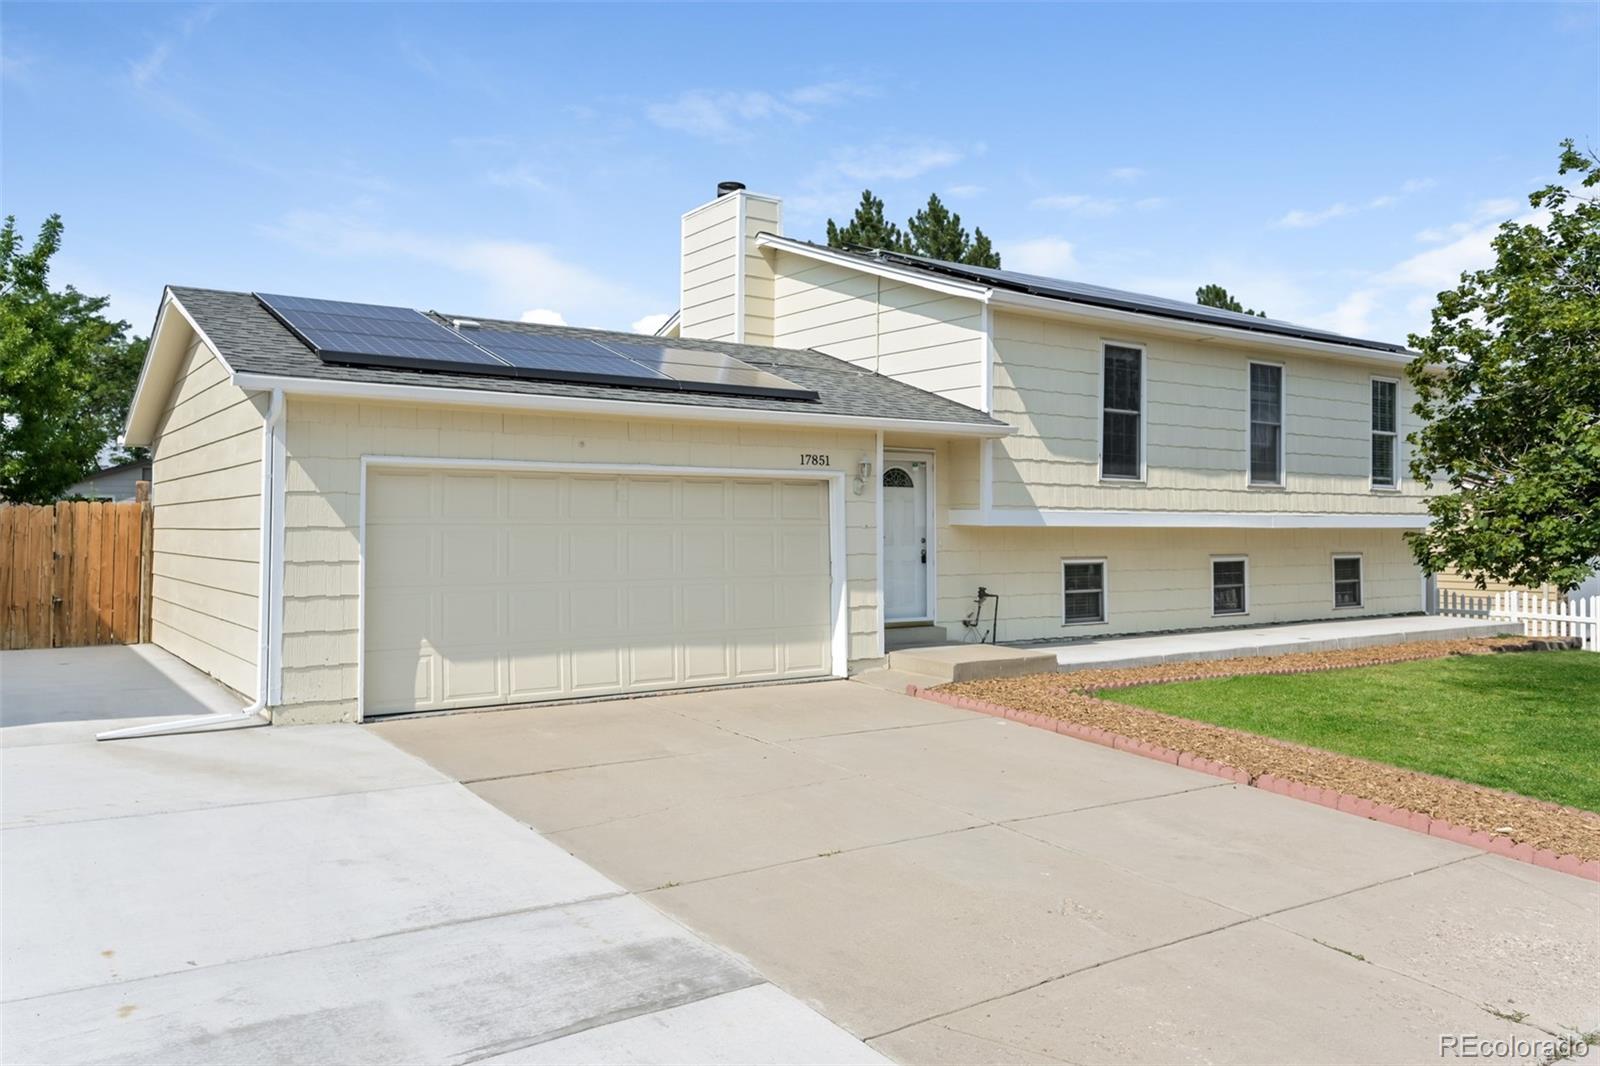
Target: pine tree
(1217, 296)
(933, 232)
(867, 228)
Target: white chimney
(724, 282)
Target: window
(1384, 433)
(896, 478)
(1347, 581)
(1083, 591)
(1227, 586)
(1122, 388)
(1266, 424)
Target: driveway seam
(444, 782)
(621, 893)
(1245, 920)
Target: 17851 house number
(813, 459)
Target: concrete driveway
(317, 895)
(956, 888)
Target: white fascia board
(367, 390)
(947, 286)
(1047, 305)
(1023, 518)
(159, 336)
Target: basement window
(1228, 586)
(1083, 591)
(1347, 581)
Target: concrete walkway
(955, 888)
(315, 895)
(96, 684)
(1121, 652)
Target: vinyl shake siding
(207, 523)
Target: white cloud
(1352, 316)
(1125, 173)
(542, 316)
(1077, 203)
(506, 273)
(964, 192)
(649, 323)
(729, 114)
(1151, 203)
(890, 161)
(1486, 210)
(1301, 218)
(521, 176)
(1040, 255)
(145, 70)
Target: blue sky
(1333, 164)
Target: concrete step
(895, 680)
(913, 636)
(971, 662)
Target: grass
(1528, 723)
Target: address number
(813, 459)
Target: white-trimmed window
(1385, 433)
(1229, 581)
(1083, 591)
(1347, 581)
(1122, 413)
(1266, 424)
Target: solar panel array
(400, 337)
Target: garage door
(487, 588)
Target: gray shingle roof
(1101, 296)
(252, 341)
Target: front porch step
(895, 637)
(971, 662)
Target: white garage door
(485, 588)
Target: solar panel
(377, 335)
(400, 337)
(699, 370)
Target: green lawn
(1526, 722)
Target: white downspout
(251, 715)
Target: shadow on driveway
(111, 681)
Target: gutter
(255, 714)
(367, 390)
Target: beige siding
(207, 520)
(1160, 579)
(1047, 383)
(715, 266)
(926, 339)
(325, 443)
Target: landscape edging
(1416, 821)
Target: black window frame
(1099, 592)
(1359, 579)
(1243, 585)
(1279, 450)
(1392, 434)
(1125, 470)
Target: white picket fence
(1541, 615)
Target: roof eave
(163, 357)
(371, 390)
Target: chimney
(725, 283)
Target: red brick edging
(1416, 821)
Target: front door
(905, 538)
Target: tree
(66, 373)
(933, 232)
(1217, 296)
(1508, 385)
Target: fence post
(146, 558)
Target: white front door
(905, 538)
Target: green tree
(66, 373)
(933, 232)
(1217, 296)
(867, 228)
(1508, 385)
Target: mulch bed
(1532, 825)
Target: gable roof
(1082, 293)
(252, 342)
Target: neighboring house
(113, 483)
(823, 445)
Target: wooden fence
(74, 573)
(1541, 615)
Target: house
(119, 482)
(365, 510)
